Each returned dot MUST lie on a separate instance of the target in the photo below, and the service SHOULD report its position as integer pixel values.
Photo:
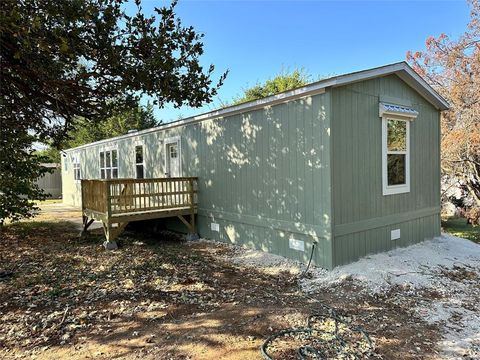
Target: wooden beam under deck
(153, 214)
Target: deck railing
(94, 195)
(115, 197)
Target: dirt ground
(163, 298)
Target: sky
(255, 40)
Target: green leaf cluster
(87, 131)
(285, 80)
(120, 123)
(17, 178)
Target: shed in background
(51, 182)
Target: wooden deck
(116, 202)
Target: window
(109, 164)
(396, 121)
(139, 165)
(396, 156)
(76, 167)
(173, 151)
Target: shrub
(473, 216)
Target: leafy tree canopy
(49, 154)
(452, 67)
(285, 80)
(87, 131)
(61, 60)
(17, 184)
(120, 123)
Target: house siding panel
(359, 205)
(264, 175)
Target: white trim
(76, 165)
(402, 69)
(395, 189)
(65, 163)
(106, 149)
(173, 140)
(394, 110)
(140, 142)
(100, 163)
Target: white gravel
(411, 266)
(423, 266)
(260, 260)
(420, 266)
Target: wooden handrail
(131, 180)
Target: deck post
(193, 231)
(82, 192)
(84, 217)
(108, 201)
(192, 205)
(109, 244)
(110, 233)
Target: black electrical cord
(309, 262)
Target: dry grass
(161, 298)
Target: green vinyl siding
(360, 210)
(376, 239)
(264, 175)
(256, 171)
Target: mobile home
(350, 164)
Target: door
(173, 170)
(173, 160)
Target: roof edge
(311, 89)
(402, 69)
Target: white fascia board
(420, 85)
(406, 73)
(368, 74)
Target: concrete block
(192, 237)
(110, 245)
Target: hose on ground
(324, 343)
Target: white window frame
(142, 144)
(402, 188)
(104, 167)
(77, 176)
(169, 141)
